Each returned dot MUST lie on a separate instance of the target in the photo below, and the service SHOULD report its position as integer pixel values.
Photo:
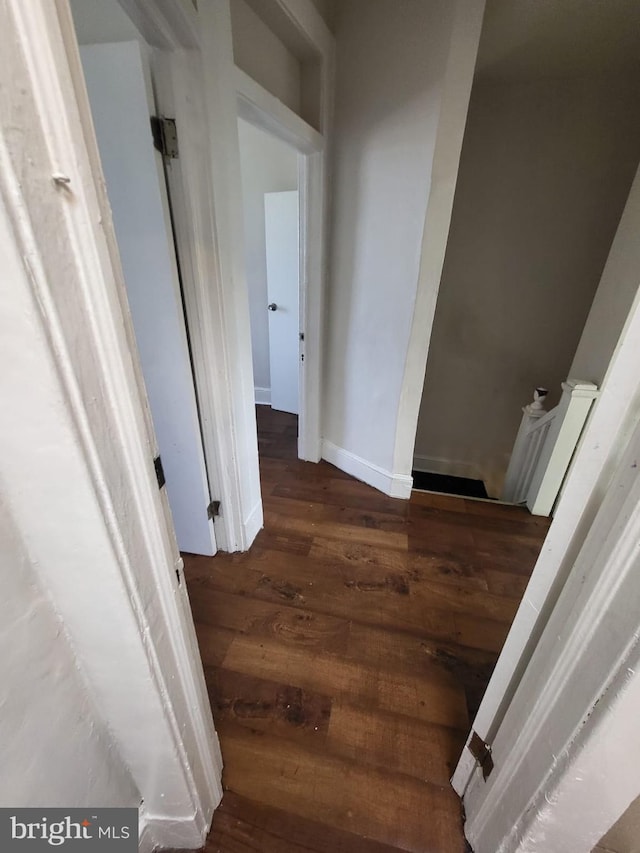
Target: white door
(281, 234)
(118, 83)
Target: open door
(119, 85)
(551, 761)
(283, 287)
(560, 766)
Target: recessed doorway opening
(119, 70)
(269, 169)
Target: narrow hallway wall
(56, 750)
(391, 62)
(545, 172)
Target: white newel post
(516, 479)
(559, 447)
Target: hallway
(347, 651)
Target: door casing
(591, 506)
(143, 646)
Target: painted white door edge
(120, 90)
(217, 309)
(179, 84)
(446, 158)
(75, 277)
(281, 222)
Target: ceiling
(559, 38)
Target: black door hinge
(481, 751)
(165, 135)
(213, 510)
(157, 464)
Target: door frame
(585, 502)
(612, 420)
(200, 493)
(187, 89)
(53, 190)
(565, 750)
(451, 121)
(264, 111)
(198, 81)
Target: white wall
(624, 835)
(86, 532)
(65, 544)
(56, 750)
(267, 165)
(545, 170)
(614, 297)
(261, 54)
(391, 61)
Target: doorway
(550, 150)
(269, 169)
(117, 65)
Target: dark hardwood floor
(345, 653)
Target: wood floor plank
(346, 652)
(341, 493)
(394, 742)
(479, 633)
(385, 601)
(265, 619)
(213, 643)
(268, 706)
(241, 825)
(392, 808)
(231, 834)
(434, 696)
(223, 572)
(501, 552)
(447, 568)
(515, 526)
(413, 653)
(507, 512)
(350, 554)
(333, 530)
(471, 601)
(270, 540)
(506, 584)
(438, 501)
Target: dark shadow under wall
(446, 484)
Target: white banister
(559, 447)
(519, 472)
(545, 445)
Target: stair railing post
(517, 471)
(559, 447)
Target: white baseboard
(452, 467)
(253, 525)
(156, 834)
(262, 396)
(394, 485)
